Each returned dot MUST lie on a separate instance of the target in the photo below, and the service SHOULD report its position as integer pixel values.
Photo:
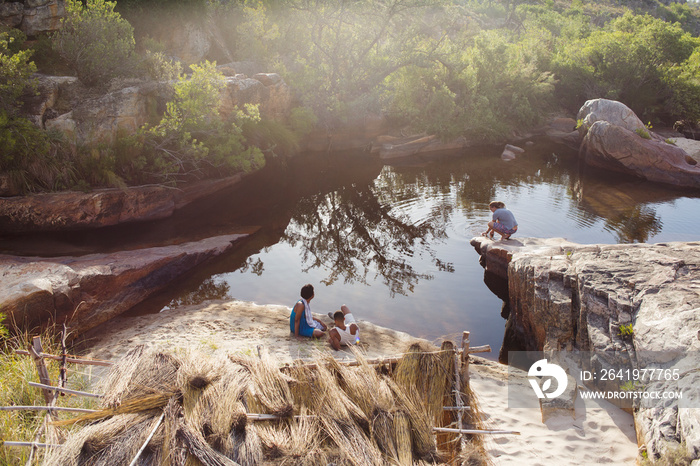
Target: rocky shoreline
(88, 290)
(566, 296)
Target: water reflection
(207, 290)
(350, 234)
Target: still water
(392, 241)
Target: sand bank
(599, 432)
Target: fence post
(465, 361)
(36, 350)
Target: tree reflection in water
(352, 234)
(207, 290)
(635, 225)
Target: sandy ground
(599, 432)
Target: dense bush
(27, 154)
(191, 140)
(96, 41)
(629, 60)
(15, 69)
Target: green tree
(96, 41)
(625, 61)
(192, 140)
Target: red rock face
(88, 290)
(100, 208)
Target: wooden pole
(64, 390)
(70, 359)
(475, 431)
(63, 376)
(150, 436)
(44, 408)
(30, 444)
(36, 351)
(465, 361)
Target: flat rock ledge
(89, 290)
(100, 208)
(567, 296)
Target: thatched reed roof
(205, 411)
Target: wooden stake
(465, 361)
(36, 351)
(63, 376)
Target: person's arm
(334, 339)
(297, 318)
(322, 324)
(353, 329)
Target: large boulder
(612, 111)
(88, 290)
(565, 296)
(615, 139)
(33, 16)
(73, 210)
(63, 104)
(54, 96)
(102, 119)
(268, 90)
(615, 148)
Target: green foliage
(4, 333)
(31, 156)
(159, 67)
(96, 42)
(302, 120)
(628, 60)
(642, 133)
(626, 330)
(483, 92)
(191, 140)
(15, 69)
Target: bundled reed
(114, 441)
(140, 404)
(268, 389)
(423, 441)
(140, 373)
(350, 415)
(301, 385)
(402, 433)
(428, 373)
(298, 442)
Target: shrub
(159, 67)
(96, 41)
(15, 69)
(644, 134)
(191, 140)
